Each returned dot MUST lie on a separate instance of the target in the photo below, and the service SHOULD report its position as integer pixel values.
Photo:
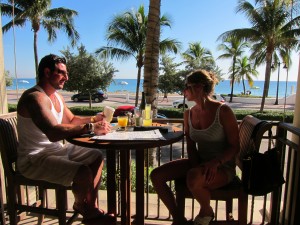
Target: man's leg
(96, 168)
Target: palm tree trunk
(244, 88)
(232, 83)
(138, 86)
(267, 80)
(232, 79)
(3, 94)
(151, 67)
(36, 59)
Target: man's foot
(91, 213)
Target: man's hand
(102, 127)
(98, 117)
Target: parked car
(98, 96)
(188, 104)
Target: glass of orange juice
(122, 121)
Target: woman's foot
(205, 220)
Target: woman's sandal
(203, 220)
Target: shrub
(271, 115)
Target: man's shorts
(59, 166)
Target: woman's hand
(210, 169)
(102, 127)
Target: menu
(131, 136)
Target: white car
(188, 104)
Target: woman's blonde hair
(207, 79)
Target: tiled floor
(32, 218)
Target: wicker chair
(15, 182)
(251, 131)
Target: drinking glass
(147, 118)
(108, 113)
(122, 121)
(137, 117)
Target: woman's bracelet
(93, 119)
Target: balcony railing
(279, 207)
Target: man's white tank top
(31, 139)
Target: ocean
(222, 88)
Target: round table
(173, 135)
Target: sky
(192, 21)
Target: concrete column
(296, 121)
(3, 94)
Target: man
(43, 121)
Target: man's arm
(38, 107)
(70, 118)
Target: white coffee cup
(108, 113)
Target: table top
(170, 137)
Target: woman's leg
(200, 189)
(160, 177)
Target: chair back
(8, 142)
(251, 131)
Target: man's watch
(90, 127)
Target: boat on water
(24, 81)
(255, 87)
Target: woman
(212, 143)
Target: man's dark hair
(49, 61)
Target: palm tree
(151, 69)
(245, 70)
(272, 29)
(233, 48)
(38, 13)
(126, 34)
(196, 57)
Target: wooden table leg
(140, 218)
(111, 181)
(125, 187)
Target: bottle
(143, 102)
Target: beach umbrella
(123, 83)
(24, 81)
